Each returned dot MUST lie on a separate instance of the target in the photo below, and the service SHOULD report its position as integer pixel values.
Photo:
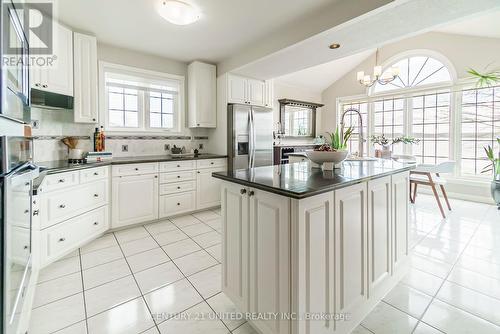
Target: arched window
(416, 71)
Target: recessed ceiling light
(178, 12)
(334, 46)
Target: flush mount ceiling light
(178, 12)
(334, 46)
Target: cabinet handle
(62, 206)
(243, 191)
(27, 184)
(96, 195)
(251, 193)
(61, 180)
(35, 213)
(62, 239)
(96, 223)
(96, 173)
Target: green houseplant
(489, 79)
(387, 143)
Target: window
(416, 71)
(480, 127)
(352, 119)
(431, 125)
(139, 100)
(388, 119)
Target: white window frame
(143, 122)
(455, 87)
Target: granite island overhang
(312, 251)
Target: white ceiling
(487, 25)
(320, 77)
(225, 27)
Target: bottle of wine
(96, 140)
(102, 139)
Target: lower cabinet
(134, 199)
(207, 188)
(400, 190)
(175, 204)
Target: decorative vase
(495, 192)
(386, 153)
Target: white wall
(462, 51)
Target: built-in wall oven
(16, 182)
(15, 87)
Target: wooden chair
(429, 175)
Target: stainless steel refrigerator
(250, 136)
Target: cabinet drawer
(173, 188)
(135, 169)
(177, 176)
(93, 174)
(68, 203)
(210, 163)
(178, 203)
(65, 237)
(173, 166)
(59, 181)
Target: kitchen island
(312, 251)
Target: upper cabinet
(57, 75)
(249, 91)
(85, 78)
(202, 108)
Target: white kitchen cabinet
(207, 188)
(379, 233)
(269, 101)
(202, 108)
(351, 250)
(400, 191)
(85, 78)
(135, 199)
(235, 244)
(246, 90)
(57, 77)
(269, 223)
(175, 204)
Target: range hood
(48, 100)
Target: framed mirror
(298, 118)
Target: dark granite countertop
(298, 180)
(61, 166)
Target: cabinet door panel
(85, 78)
(351, 257)
(269, 258)
(256, 92)
(379, 231)
(313, 252)
(400, 191)
(234, 212)
(135, 199)
(237, 89)
(207, 188)
(59, 77)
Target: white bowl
(321, 157)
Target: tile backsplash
(57, 124)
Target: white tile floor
(172, 268)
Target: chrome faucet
(360, 125)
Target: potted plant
(334, 151)
(495, 168)
(488, 79)
(387, 143)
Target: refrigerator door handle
(251, 140)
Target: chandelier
(382, 78)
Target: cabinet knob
(25, 247)
(44, 86)
(198, 172)
(178, 176)
(251, 193)
(93, 119)
(178, 187)
(156, 176)
(96, 173)
(243, 191)
(35, 213)
(212, 163)
(96, 223)
(62, 239)
(136, 168)
(61, 180)
(198, 124)
(62, 206)
(96, 195)
(26, 211)
(27, 184)
(178, 203)
(37, 85)
(178, 166)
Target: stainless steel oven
(16, 181)
(15, 66)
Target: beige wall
(463, 52)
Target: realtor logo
(35, 20)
